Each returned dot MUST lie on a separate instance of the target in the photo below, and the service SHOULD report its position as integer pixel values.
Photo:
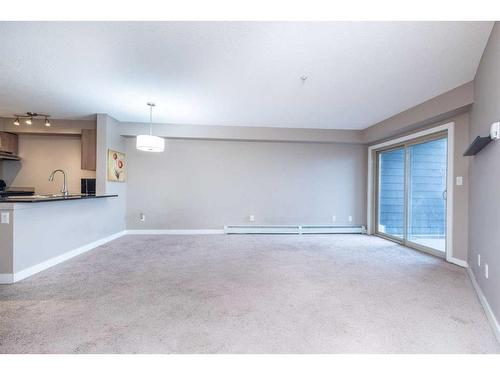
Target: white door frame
(449, 127)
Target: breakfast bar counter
(50, 198)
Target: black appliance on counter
(88, 186)
(9, 191)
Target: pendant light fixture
(150, 142)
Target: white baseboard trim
(6, 278)
(458, 262)
(61, 258)
(294, 229)
(175, 231)
(486, 306)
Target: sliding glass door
(391, 202)
(427, 194)
(411, 194)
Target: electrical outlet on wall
(251, 218)
(350, 219)
(334, 219)
(5, 218)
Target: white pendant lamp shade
(150, 142)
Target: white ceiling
(235, 73)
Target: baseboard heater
(293, 229)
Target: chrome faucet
(64, 190)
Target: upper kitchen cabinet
(8, 146)
(89, 149)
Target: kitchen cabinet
(8, 143)
(89, 149)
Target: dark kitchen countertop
(51, 198)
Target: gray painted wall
(461, 193)
(108, 137)
(6, 243)
(485, 175)
(442, 107)
(40, 155)
(204, 184)
(244, 133)
(1, 161)
(60, 147)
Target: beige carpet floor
(246, 294)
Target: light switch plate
(5, 218)
(495, 131)
(460, 180)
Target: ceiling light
(149, 142)
(29, 117)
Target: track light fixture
(29, 117)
